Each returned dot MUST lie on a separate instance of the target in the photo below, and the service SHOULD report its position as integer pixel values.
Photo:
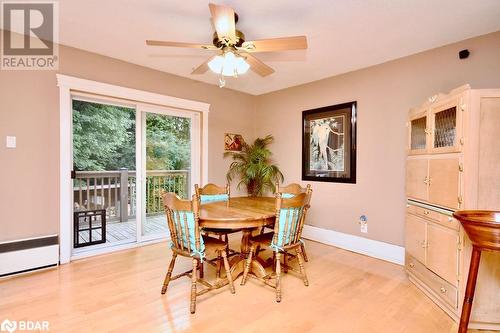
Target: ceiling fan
(234, 52)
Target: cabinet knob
(443, 290)
(412, 265)
(426, 212)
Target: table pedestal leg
(238, 262)
(469, 290)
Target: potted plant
(254, 167)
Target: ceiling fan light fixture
(215, 64)
(228, 64)
(241, 65)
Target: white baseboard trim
(369, 247)
(20, 261)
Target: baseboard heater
(20, 256)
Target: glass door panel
(418, 132)
(167, 160)
(445, 128)
(104, 178)
(446, 124)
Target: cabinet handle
(426, 212)
(412, 265)
(443, 290)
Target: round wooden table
(245, 213)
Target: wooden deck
(117, 231)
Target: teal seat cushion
(285, 236)
(181, 219)
(204, 198)
(287, 195)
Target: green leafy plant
(254, 167)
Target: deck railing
(104, 190)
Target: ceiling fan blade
(180, 44)
(258, 66)
(223, 20)
(203, 68)
(276, 44)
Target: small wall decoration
(329, 144)
(233, 142)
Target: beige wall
(29, 110)
(384, 94)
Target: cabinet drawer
(439, 287)
(439, 218)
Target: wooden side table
(483, 229)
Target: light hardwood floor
(120, 292)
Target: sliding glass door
(125, 156)
(170, 158)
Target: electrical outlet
(363, 224)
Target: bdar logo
(8, 326)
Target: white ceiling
(343, 35)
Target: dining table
(247, 214)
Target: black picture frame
(329, 130)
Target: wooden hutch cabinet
(453, 163)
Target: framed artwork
(329, 144)
(233, 142)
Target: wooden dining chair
(187, 241)
(290, 216)
(289, 191)
(213, 193)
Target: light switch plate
(10, 142)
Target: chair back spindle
(290, 217)
(183, 224)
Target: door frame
(69, 84)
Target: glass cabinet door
(417, 134)
(446, 127)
